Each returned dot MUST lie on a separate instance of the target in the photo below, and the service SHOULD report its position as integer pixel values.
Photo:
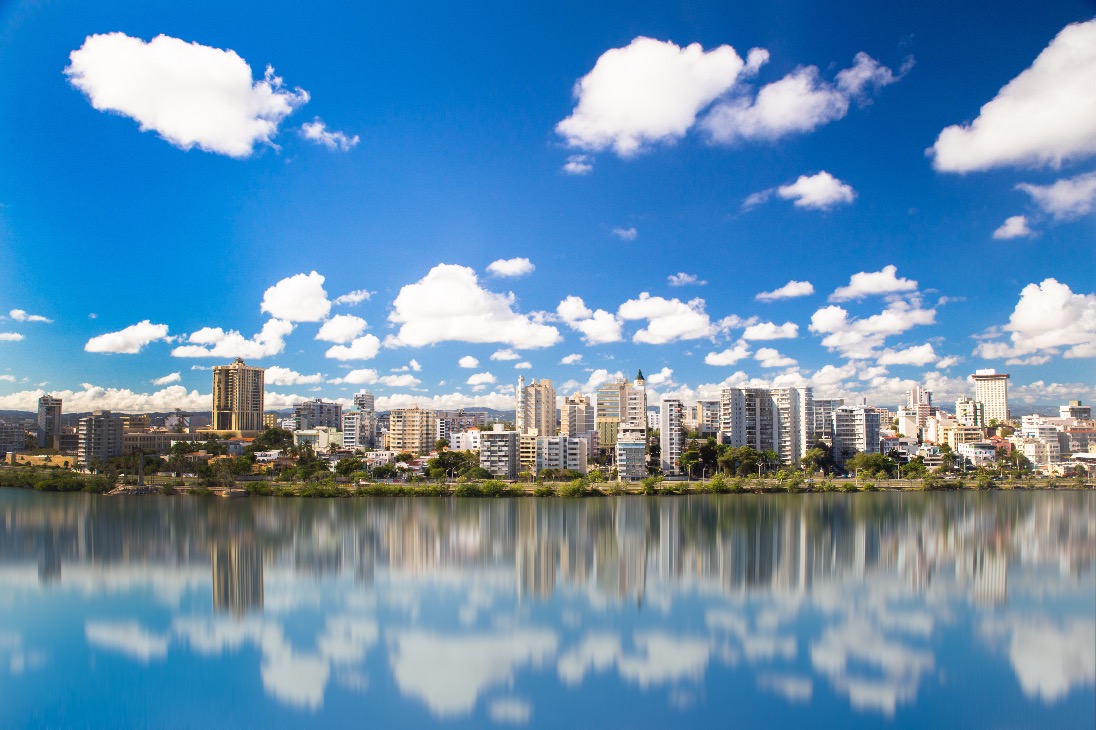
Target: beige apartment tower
(411, 429)
(238, 397)
(991, 389)
(536, 408)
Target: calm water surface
(958, 610)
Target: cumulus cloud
(664, 376)
(341, 328)
(667, 319)
(511, 267)
(361, 376)
(915, 355)
(860, 338)
(298, 298)
(820, 191)
(1065, 199)
(771, 358)
(647, 92)
(354, 297)
(481, 379)
(191, 95)
(168, 379)
(789, 291)
(578, 165)
(129, 341)
(92, 397)
(683, 279)
(1015, 226)
(468, 362)
(316, 131)
(505, 355)
(865, 284)
(448, 304)
(626, 234)
(447, 401)
(276, 375)
(1043, 117)
(740, 351)
(365, 347)
(1048, 319)
(216, 342)
(771, 331)
(572, 359)
(523, 366)
(20, 315)
(10, 337)
(798, 103)
(597, 327)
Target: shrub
(848, 487)
(870, 487)
(544, 490)
(167, 490)
(576, 488)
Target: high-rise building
(970, 412)
(631, 452)
(747, 417)
(536, 408)
(707, 417)
(823, 418)
(359, 429)
(561, 452)
(498, 452)
(794, 419)
(855, 428)
(671, 434)
(319, 413)
(991, 388)
(411, 429)
(919, 400)
(364, 401)
(238, 397)
(13, 438)
(49, 422)
(578, 415)
(1075, 410)
(620, 403)
(99, 437)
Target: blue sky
(157, 196)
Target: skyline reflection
(526, 611)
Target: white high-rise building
(631, 452)
(99, 437)
(855, 428)
(499, 452)
(794, 409)
(991, 389)
(747, 417)
(561, 452)
(359, 429)
(364, 401)
(970, 412)
(671, 431)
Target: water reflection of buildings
(237, 578)
(618, 548)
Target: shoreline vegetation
(58, 480)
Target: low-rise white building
(978, 453)
(562, 452)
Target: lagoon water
(956, 610)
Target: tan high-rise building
(411, 429)
(991, 389)
(536, 408)
(577, 415)
(238, 397)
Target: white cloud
(647, 92)
(1065, 199)
(771, 331)
(481, 379)
(667, 319)
(578, 165)
(190, 94)
(355, 297)
(130, 340)
(796, 104)
(20, 315)
(468, 362)
(864, 284)
(626, 234)
(10, 337)
(93, 397)
(572, 359)
(168, 379)
(1049, 658)
(316, 131)
(127, 638)
(859, 338)
(915, 355)
(663, 376)
(448, 304)
(215, 342)
(597, 377)
(276, 375)
(298, 298)
(683, 279)
(362, 376)
(511, 267)
(1015, 226)
(505, 355)
(730, 356)
(447, 401)
(365, 347)
(821, 191)
(597, 327)
(789, 291)
(1048, 319)
(341, 328)
(1043, 117)
(399, 381)
(771, 358)
(523, 366)
(510, 710)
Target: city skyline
(718, 197)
